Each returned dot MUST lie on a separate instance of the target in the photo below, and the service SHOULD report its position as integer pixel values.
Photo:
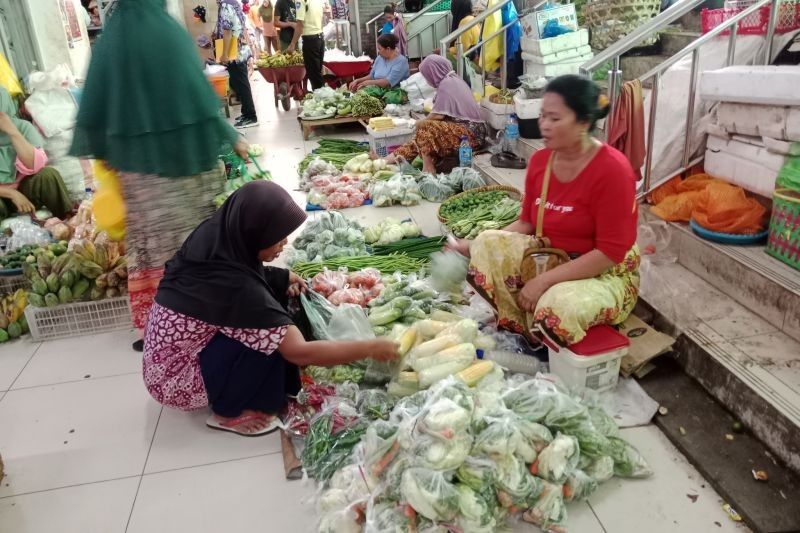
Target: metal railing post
(460, 58)
(614, 84)
(651, 133)
(732, 46)
(775, 5)
(687, 143)
(504, 63)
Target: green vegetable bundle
(470, 214)
(365, 105)
(374, 91)
(418, 247)
(340, 146)
(395, 96)
(386, 264)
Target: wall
(51, 38)
(367, 9)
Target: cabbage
(372, 234)
(430, 494)
(410, 229)
(476, 516)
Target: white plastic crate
(9, 284)
(79, 318)
(385, 142)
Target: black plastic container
(529, 128)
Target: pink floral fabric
(172, 343)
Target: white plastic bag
(417, 88)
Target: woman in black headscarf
(219, 332)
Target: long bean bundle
(387, 264)
(341, 146)
(418, 247)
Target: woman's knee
(49, 174)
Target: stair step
(673, 40)
(759, 282)
(499, 176)
(747, 364)
(699, 427)
(635, 66)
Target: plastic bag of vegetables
(381, 447)
(579, 486)
(549, 511)
(556, 462)
(466, 178)
(628, 462)
(435, 189)
(516, 487)
(475, 513)
(430, 493)
(388, 517)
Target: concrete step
(706, 433)
(635, 66)
(675, 38)
(732, 319)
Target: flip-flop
(230, 425)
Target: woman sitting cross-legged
(220, 333)
(389, 69)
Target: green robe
(147, 106)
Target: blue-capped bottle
(465, 153)
(512, 128)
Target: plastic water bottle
(513, 361)
(465, 153)
(512, 128)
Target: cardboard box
(533, 24)
(646, 345)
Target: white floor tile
(72, 433)
(661, 503)
(370, 215)
(96, 507)
(425, 216)
(241, 496)
(580, 519)
(183, 440)
(59, 361)
(13, 358)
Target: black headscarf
(459, 10)
(217, 277)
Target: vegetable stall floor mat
(508, 160)
(763, 491)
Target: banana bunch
(12, 315)
(103, 264)
(280, 60)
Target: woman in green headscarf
(149, 112)
(26, 184)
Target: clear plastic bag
(430, 493)
(516, 487)
(549, 511)
(328, 281)
(558, 460)
(579, 486)
(628, 461)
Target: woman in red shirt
(590, 212)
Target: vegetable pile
(362, 164)
(91, 270)
(439, 188)
(326, 102)
(364, 105)
(280, 60)
(472, 213)
(406, 299)
(331, 235)
(390, 230)
(337, 192)
(399, 189)
(12, 318)
(339, 287)
(470, 454)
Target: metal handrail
(452, 36)
(614, 52)
(415, 34)
(418, 14)
(633, 39)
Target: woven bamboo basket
(512, 192)
(610, 20)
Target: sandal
(230, 425)
(508, 160)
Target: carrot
(535, 467)
(567, 491)
(380, 466)
(447, 433)
(513, 509)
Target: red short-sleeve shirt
(596, 210)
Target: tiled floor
(86, 449)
